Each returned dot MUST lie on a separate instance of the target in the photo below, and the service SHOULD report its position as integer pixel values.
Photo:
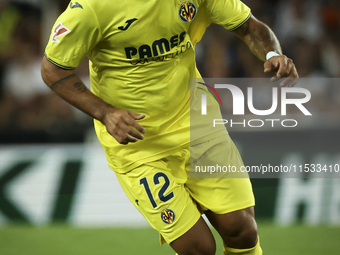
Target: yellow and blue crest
(187, 11)
(168, 216)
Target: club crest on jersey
(168, 216)
(59, 30)
(187, 11)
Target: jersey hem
(206, 138)
(57, 64)
(130, 166)
(241, 24)
(239, 206)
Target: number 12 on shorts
(161, 192)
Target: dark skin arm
(121, 124)
(261, 40)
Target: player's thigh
(198, 240)
(238, 229)
(161, 198)
(223, 193)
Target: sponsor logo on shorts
(59, 30)
(168, 216)
(187, 11)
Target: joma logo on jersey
(59, 30)
(157, 48)
(187, 12)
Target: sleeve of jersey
(75, 33)
(229, 13)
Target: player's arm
(261, 40)
(121, 124)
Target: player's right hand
(123, 125)
(284, 68)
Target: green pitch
(64, 240)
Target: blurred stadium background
(57, 194)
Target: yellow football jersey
(142, 59)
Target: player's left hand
(284, 68)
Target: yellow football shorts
(172, 202)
